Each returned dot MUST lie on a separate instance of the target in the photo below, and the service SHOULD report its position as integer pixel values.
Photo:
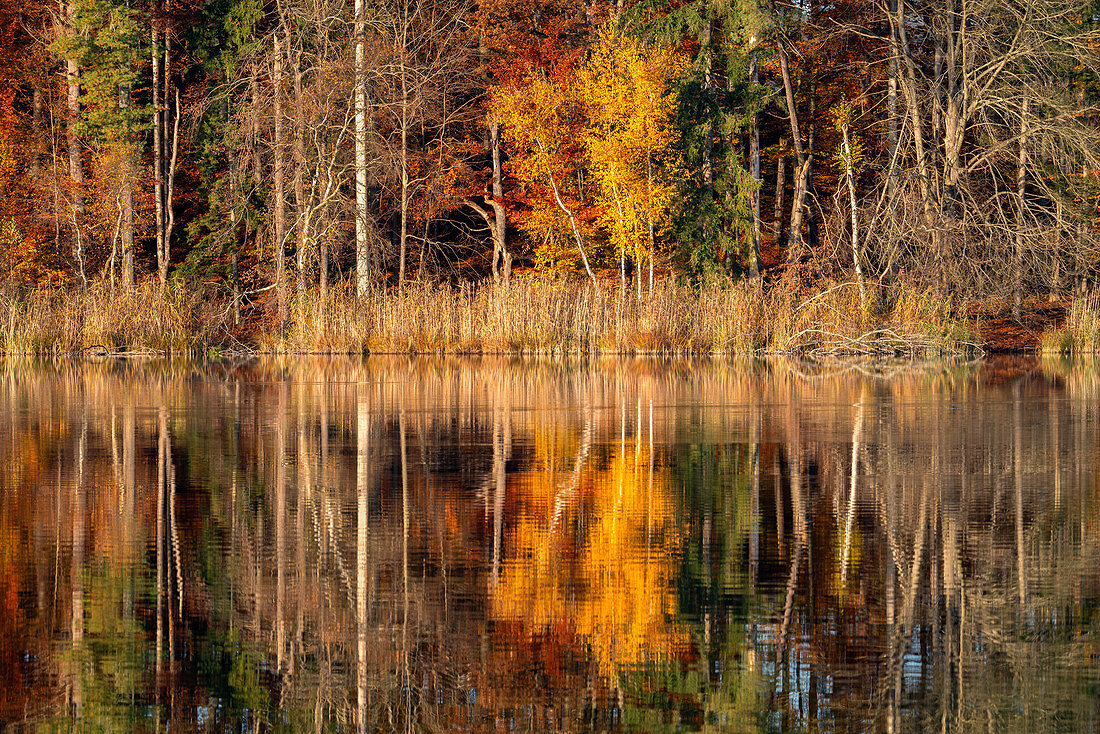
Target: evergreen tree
(715, 104)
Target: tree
(631, 143)
(512, 37)
(849, 160)
(25, 254)
(421, 84)
(982, 85)
(108, 46)
(717, 99)
(362, 235)
(543, 118)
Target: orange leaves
(542, 119)
(26, 257)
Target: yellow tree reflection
(597, 555)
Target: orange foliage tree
(614, 586)
(544, 117)
(25, 254)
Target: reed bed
(1080, 334)
(555, 317)
(99, 319)
(527, 316)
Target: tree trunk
(37, 104)
(809, 213)
(500, 235)
(622, 267)
(1059, 233)
(280, 175)
(780, 189)
(404, 178)
(166, 170)
(362, 245)
(425, 243)
(798, 202)
(1021, 204)
(127, 231)
(909, 88)
(892, 111)
(170, 187)
(572, 220)
(495, 222)
(709, 84)
(158, 151)
(849, 179)
(652, 226)
(76, 167)
(127, 192)
(299, 174)
(754, 167)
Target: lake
(494, 544)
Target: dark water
(494, 545)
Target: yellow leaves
(629, 136)
(851, 152)
(540, 117)
(606, 138)
(534, 113)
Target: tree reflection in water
(443, 544)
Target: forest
(554, 175)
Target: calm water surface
(498, 545)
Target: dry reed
(1080, 334)
(528, 316)
(101, 319)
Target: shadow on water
(486, 544)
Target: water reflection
(483, 545)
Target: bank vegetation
(526, 316)
(546, 175)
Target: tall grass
(554, 317)
(528, 316)
(1080, 333)
(99, 318)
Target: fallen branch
(99, 350)
(882, 342)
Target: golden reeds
(527, 316)
(1080, 334)
(100, 318)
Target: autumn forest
(554, 175)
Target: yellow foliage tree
(630, 141)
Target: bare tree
(362, 241)
(987, 90)
(421, 86)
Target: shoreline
(532, 317)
